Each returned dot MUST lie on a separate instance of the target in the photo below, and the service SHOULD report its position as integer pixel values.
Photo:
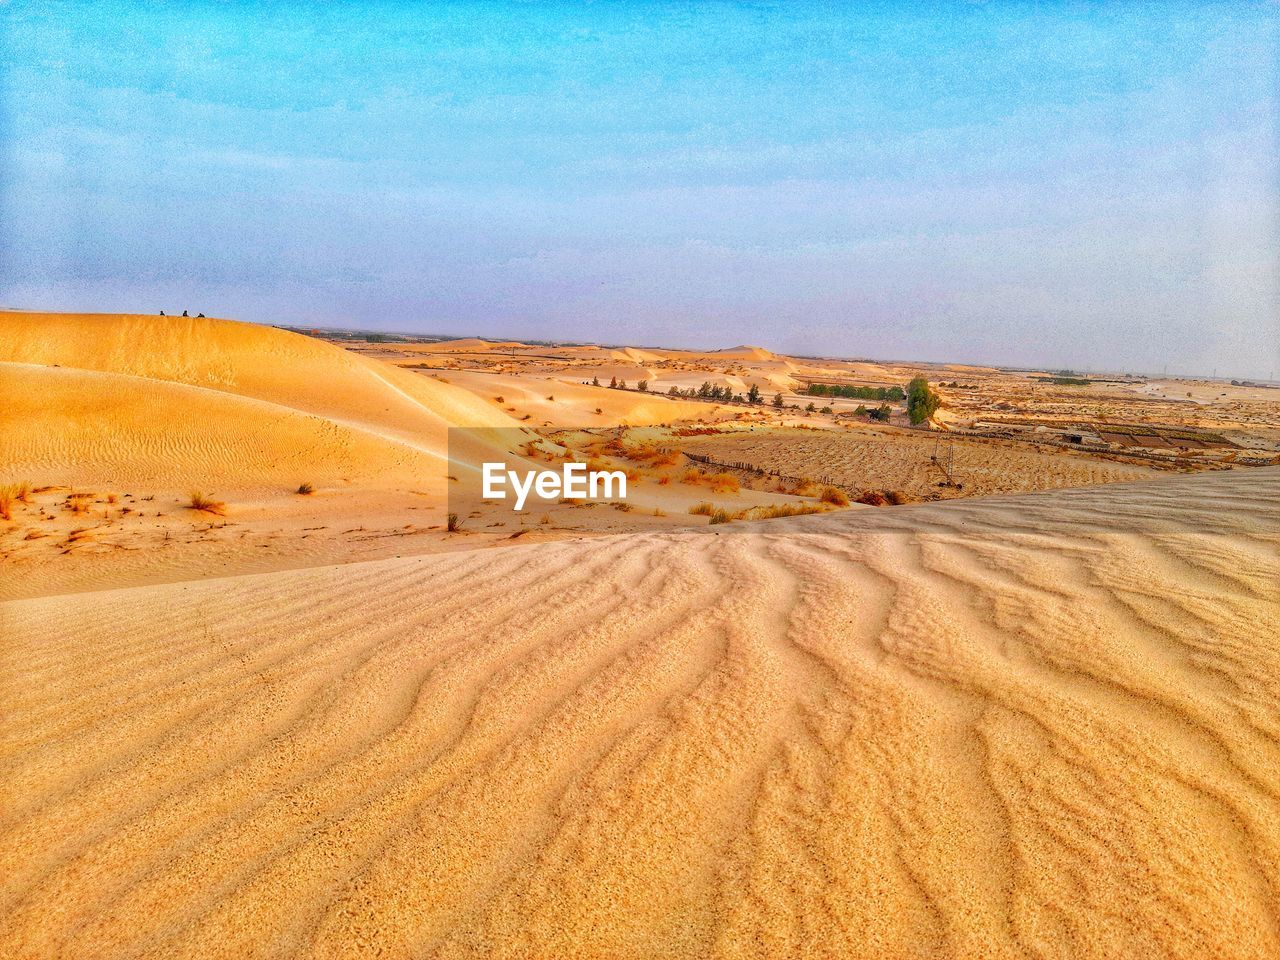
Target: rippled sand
(1045, 725)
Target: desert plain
(827, 683)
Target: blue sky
(1074, 185)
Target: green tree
(753, 394)
(922, 402)
(777, 400)
(643, 386)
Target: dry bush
(897, 498)
(6, 502)
(78, 502)
(205, 504)
(703, 509)
(775, 510)
(453, 522)
(659, 512)
(21, 491)
(720, 516)
(306, 488)
(724, 483)
(692, 475)
(663, 480)
(873, 498)
(834, 496)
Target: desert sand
(1042, 725)
(1027, 724)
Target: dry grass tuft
(306, 489)
(453, 522)
(205, 504)
(776, 510)
(834, 496)
(724, 483)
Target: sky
(1089, 186)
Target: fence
(757, 470)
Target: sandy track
(1046, 725)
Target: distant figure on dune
(162, 313)
(198, 315)
(184, 313)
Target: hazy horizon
(1066, 186)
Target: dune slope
(248, 360)
(1045, 725)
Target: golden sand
(1045, 725)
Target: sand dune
(107, 428)
(254, 361)
(1044, 725)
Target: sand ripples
(1040, 726)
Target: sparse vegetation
(775, 510)
(893, 394)
(453, 523)
(834, 496)
(306, 489)
(205, 504)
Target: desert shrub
(774, 510)
(703, 509)
(897, 497)
(306, 488)
(692, 475)
(205, 504)
(453, 522)
(872, 498)
(720, 516)
(724, 483)
(834, 496)
(6, 503)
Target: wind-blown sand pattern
(1045, 725)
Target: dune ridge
(1044, 725)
